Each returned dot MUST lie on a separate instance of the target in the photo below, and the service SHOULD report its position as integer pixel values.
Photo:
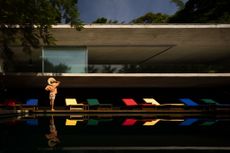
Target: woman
(52, 88)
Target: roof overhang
(151, 44)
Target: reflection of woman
(52, 136)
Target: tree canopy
(203, 11)
(28, 22)
(104, 20)
(180, 4)
(151, 18)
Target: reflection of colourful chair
(151, 123)
(73, 105)
(32, 122)
(189, 122)
(72, 122)
(92, 122)
(129, 122)
(208, 123)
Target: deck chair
(95, 104)
(214, 105)
(153, 102)
(213, 102)
(209, 101)
(188, 102)
(31, 104)
(131, 104)
(73, 105)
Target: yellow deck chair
(151, 101)
(73, 105)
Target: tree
(151, 18)
(203, 11)
(180, 4)
(28, 22)
(104, 20)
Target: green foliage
(108, 69)
(28, 22)
(151, 18)
(60, 68)
(203, 11)
(104, 20)
(180, 4)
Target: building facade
(149, 52)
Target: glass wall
(80, 59)
(64, 59)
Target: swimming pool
(66, 132)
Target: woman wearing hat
(52, 88)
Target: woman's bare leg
(52, 104)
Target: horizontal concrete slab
(119, 80)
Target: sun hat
(51, 80)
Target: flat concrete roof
(151, 44)
(108, 80)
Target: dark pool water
(115, 133)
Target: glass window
(65, 59)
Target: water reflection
(117, 132)
(52, 137)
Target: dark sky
(122, 10)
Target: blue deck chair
(30, 104)
(188, 102)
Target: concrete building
(129, 56)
